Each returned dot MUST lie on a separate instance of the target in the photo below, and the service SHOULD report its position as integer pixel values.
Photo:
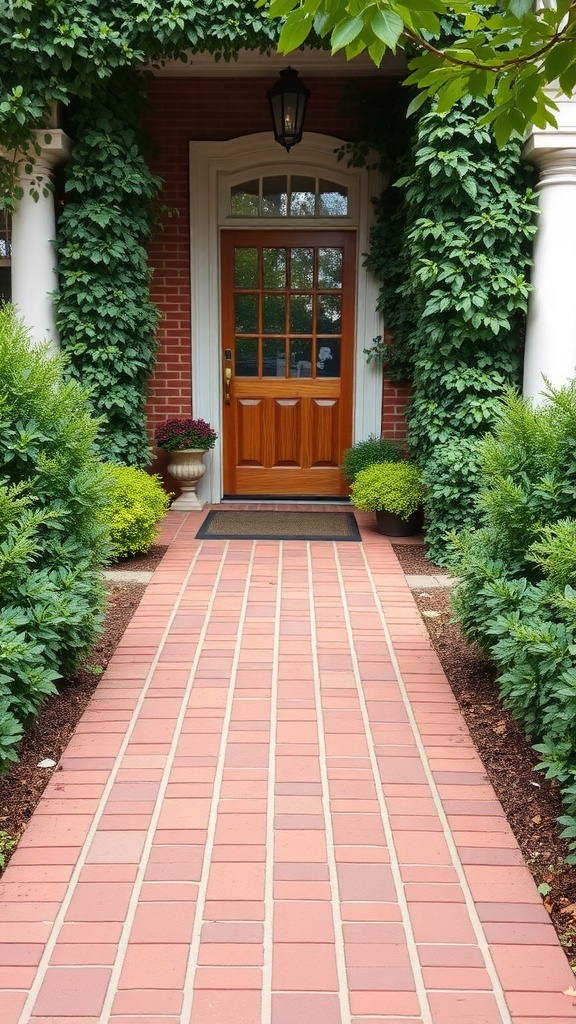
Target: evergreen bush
(137, 503)
(516, 597)
(52, 538)
(365, 453)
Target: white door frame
(212, 164)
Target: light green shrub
(555, 553)
(137, 503)
(365, 453)
(388, 486)
(52, 537)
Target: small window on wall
(288, 195)
(5, 258)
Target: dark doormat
(263, 525)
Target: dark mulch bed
(148, 561)
(530, 802)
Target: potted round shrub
(394, 491)
(187, 441)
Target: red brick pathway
(272, 813)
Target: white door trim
(210, 164)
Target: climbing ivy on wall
(452, 245)
(86, 54)
(104, 313)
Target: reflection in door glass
(301, 314)
(244, 199)
(274, 314)
(328, 357)
(273, 357)
(329, 317)
(301, 268)
(246, 313)
(275, 196)
(333, 200)
(274, 268)
(246, 361)
(300, 357)
(329, 268)
(303, 196)
(245, 268)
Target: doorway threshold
(248, 499)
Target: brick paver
(273, 813)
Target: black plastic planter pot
(392, 525)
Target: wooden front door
(288, 313)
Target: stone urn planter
(187, 468)
(186, 441)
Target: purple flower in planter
(177, 434)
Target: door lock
(227, 382)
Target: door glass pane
(275, 196)
(301, 268)
(246, 361)
(329, 316)
(329, 268)
(273, 357)
(245, 268)
(303, 196)
(274, 268)
(244, 199)
(301, 314)
(274, 314)
(328, 358)
(246, 313)
(300, 357)
(333, 200)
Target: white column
(34, 257)
(551, 329)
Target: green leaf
(519, 8)
(559, 59)
(345, 33)
(387, 26)
(279, 8)
(294, 31)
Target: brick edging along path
(272, 813)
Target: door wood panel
(288, 315)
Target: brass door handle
(227, 382)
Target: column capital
(553, 150)
(55, 148)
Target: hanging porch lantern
(288, 100)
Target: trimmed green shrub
(517, 571)
(137, 503)
(52, 538)
(389, 486)
(365, 453)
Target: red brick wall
(395, 398)
(182, 110)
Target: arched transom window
(290, 196)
